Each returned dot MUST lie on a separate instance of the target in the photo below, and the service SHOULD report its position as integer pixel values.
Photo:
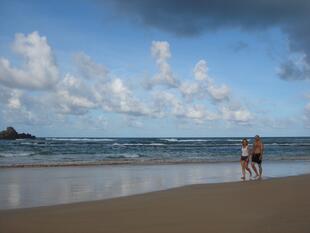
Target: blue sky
(102, 68)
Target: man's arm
(253, 149)
(261, 151)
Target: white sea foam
(138, 144)
(157, 144)
(233, 140)
(15, 154)
(288, 144)
(169, 139)
(195, 140)
(125, 155)
(187, 140)
(82, 139)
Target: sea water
(81, 151)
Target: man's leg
(260, 169)
(247, 168)
(254, 168)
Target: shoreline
(281, 205)
(139, 162)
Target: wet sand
(273, 205)
(34, 187)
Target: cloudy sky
(135, 68)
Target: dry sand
(275, 205)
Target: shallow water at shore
(40, 186)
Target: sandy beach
(272, 205)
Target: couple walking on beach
(255, 156)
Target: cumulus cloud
(191, 90)
(201, 87)
(39, 70)
(14, 100)
(201, 71)
(204, 85)
(191, 18)
(73, 96)
(161, 52)
(92, 88)
(88, 68)
(115, 96)
(239, 115)
(218, 93)
(167, 103)
(10, 98)
(19, 107)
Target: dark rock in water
(11, 134)
(25, 136)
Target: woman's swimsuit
(245, 153)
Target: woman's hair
(245, 140)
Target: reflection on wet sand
(29, 187)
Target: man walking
(257, 155)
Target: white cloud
(20, 107)
(73, 104)
(201, 71)
(238, 115)
(10, 97)
(167, 103)
(161, 52)
(195, 112)
(92, 88)
(204, 85)
(192, 89)
(39, 70)
(73, 96)
(14, 100)
(88, 68)
(218, 93)
(115, 96)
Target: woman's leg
(242, 168)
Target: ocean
(57, 151)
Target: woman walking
(244, 159)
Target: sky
(113, 68)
